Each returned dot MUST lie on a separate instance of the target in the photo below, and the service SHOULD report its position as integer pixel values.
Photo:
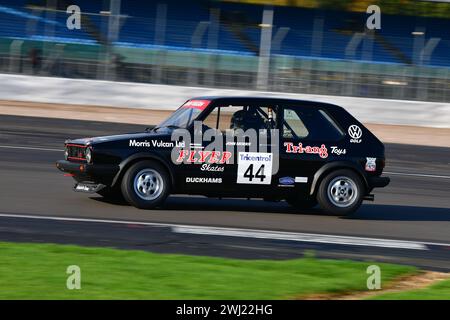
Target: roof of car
(263, 100)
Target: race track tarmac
(415, 207)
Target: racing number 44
(254, 168)
(259, 174)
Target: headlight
(88, 155)
(66, 153)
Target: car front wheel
(341, 192)
(146, 184)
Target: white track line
(252, 233)
(302, 237)
(31, 148)
(417, 175)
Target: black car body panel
(303, 162)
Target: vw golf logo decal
(355, 133)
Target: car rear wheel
(341, 192)
(146, 184)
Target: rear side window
(310, 124)
(293, 125)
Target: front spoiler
(88, 187)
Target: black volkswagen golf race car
(303, 152)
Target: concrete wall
(134, 95)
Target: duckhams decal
(203, 180)
(200, 156)
(322, 151)
(355, 133)
(371, 164)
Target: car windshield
(181, 118)
(185, 115)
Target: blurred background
(154, 55)
(298, 46)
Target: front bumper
(378, 182)
(93, 172)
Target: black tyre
(341, 192)
(146, 184)
(302, 203)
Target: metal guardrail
(197, 62)
(294, 76)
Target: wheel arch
(329, 167)
(127, 163)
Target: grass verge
(38, 271)
(438, 291)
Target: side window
(227, 117)
(221, 117)
(241, 117)
(293, 126)
(211, 119)
(310, 124)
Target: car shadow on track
(400, 213)
(192, 203)
(366, 212)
